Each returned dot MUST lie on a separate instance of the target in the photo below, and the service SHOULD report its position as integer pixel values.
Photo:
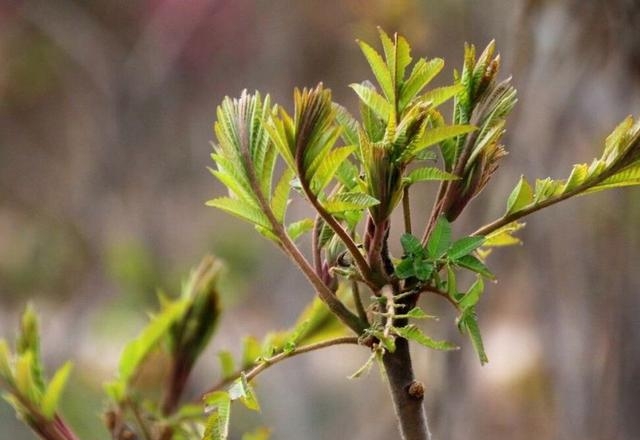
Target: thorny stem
(266, 363)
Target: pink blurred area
(106, 113)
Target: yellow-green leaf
(521, 196)
(242, 210)
(54, 389)
(423, 72)
(440, 95)
(373, 100)
(379, 69)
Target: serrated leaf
(521, 196)
(468, 323)
(627, 177)
(349, 201)
(471, 298)
(241, 210)
(422, 269)
(413, 333)
(418, 313)
(297, 229)
(435, 135)
(280, 198)
(423, 72)
(329, 166)
(217, 427)
(227, 364)
(440, 95)
(379, 69)
(411, 245)
(348, 124)
(373, 100)
(404, 269)
(475, 265)
(54, 389)
(464, 246)
(429, 173)
(440, 238)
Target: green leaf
(429, 173)
(440, 238)
(521, 196)
(251, 351)
(418, 313)
(413, 333)
(241, 210)
(329, 167)
(5, 362)
(464, 246)
(297, 229)
(475, 265)
(54, 389)
(227, 364)
(349, 201)
(373, 100)
(468, 323)
(504, 236)
(471, 298)
(452, 289)
(138, 349)
(423, 72)
(422, 269)
(217, 427)
(411, 245)
(404, 269)
(379, 69)
(280, 198)
(438, 134)
(241, 389)
(440, 95)
(348, 124)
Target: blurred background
(106, 110)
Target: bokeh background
(106, 109)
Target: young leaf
(379, 69)
(227, 365)
(5, 362)
(54, 389)
(452, 288)
(468, 323)
(404, 269)
(138, 349)
(418, 313)
(411, 245)
(438, 134)
(349, 201)
(521, 196)
(373, 100)
(440, 238)
(242, 389)
(413, 333)
(280, 198)
(217, 427)
(504, 236)
(251, 351)
(471, 298)
(348, 124)
(423, 72)
(241, 210)
(429, 173)
(422, 269)
(329, 167)
(440, 95)
(475, 265)
(296, 229)
(464, 246)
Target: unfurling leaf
(54, 390)
(521, 196)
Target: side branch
(266, 363)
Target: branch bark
(407, 393)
